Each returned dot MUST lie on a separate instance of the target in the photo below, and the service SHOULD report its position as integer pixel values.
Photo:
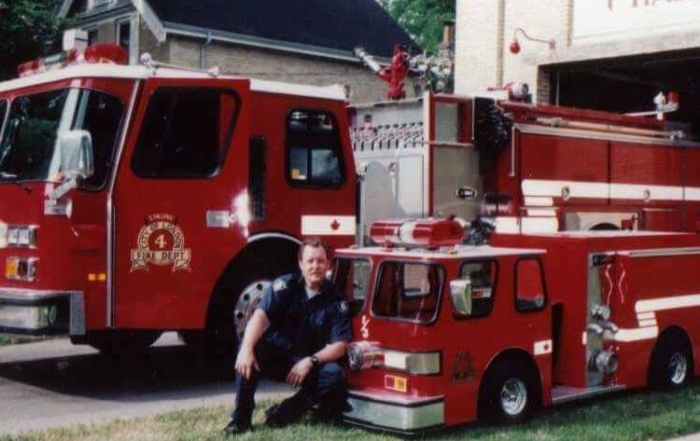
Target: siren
(95, 54)
(430, 232)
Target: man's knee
(331, 374)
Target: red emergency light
(95, 54)
(418, 232)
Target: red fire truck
(533, 168)
(448, 333)
(136, 199)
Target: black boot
(288, 411)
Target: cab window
(101, 115)
(3, 112)
(530, 293)
(483, 276)
(185, 132)
(313, 149)
(408, 291)
(351, 277)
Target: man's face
(314, 264)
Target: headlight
(22, 236)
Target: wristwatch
(314, 360)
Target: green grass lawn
(627, 416)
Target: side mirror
(461, 295)
(77, 159)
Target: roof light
(96, 54)
(421, 232)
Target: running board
(566, 394)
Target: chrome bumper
(41, 312)
(398, 413)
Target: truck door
(183, 168)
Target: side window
(530, 294)
(351, 277)
(185, 133)
(408, 291)
(483, 276)
(101, 115)
(313, 149)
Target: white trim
(645, 323)
(538, 201)
(666, 303)
(261, 236)
(542, 212)
(333, 92)
(645, 316)
(324, 225)
(536, 191)
(637, 191)
(541, 187)
(507, 224)
(542, 347)
(629, 335)
(692, 193)
(151, 19)
(539, 224)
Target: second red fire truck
(447, 333)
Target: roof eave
(263, 43)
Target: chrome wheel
(678, 368)
(247, 302)
(513, 396)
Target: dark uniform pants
(324, 385)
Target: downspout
(203, 50)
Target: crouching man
(298, 333)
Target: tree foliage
(28, 29)
(422, 19)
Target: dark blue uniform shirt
(305, 326)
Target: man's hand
(299, 371)
(246, 362)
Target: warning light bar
(418, 232)
(95, 54)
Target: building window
(124, 35)
(92, 4)
(185, 133)
(313, 149)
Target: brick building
(309, 42)
(606, 54)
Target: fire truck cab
(136, 199)
(446, 334)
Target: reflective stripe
(538, 201)
(536, 191)
(665, 303)
(628, 335)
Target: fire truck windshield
(28, 150)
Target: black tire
(507, 394)
(671, 363)
(227, 318)
(120, 343)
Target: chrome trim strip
(77, 314)
(110, 204)
(382, 411)
(607, 136)
(662, 252)
(261, 236)
(32, 295)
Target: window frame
(117, 33)
(494, 288)
(223, 151)
(442, 274)
(368, 293)
(338, 150)
(542, 279)
(3, 116)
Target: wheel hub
(678, 368)
(513, 396)
(247, 302)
